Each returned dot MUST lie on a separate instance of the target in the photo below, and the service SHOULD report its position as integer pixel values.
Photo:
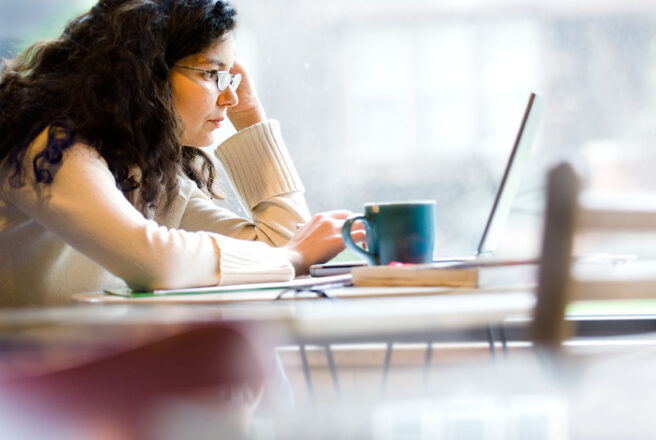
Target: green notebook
(298, 283)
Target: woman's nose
(228, 97)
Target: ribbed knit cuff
(258, 164)
(245, 262)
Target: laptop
(503, 200)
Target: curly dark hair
(105, 82)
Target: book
(415, 275)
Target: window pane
(384, 100)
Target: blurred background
(384, 100)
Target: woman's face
(196, 98)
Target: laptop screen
(512, 176)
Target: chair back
(567, 216)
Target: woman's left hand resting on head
(320, 240)
(248, 111)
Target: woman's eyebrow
(217, 62)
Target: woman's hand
(249, 110)
(320, 240)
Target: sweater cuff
(258, 164)
(246, 262)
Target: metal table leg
(332, 367)
(386, 366)
(306, 371)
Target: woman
(101, 180)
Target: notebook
(503, 200)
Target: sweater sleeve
(274, 223)
(85, 209)
(264, 178)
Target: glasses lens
(235, 81)
(223, 80)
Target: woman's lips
(216, 122)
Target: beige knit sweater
(80, 234)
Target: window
(385, 100)
(389, 100)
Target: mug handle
(348, 240)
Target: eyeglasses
(300, 292)
(223, 78)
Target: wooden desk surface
(414, 317)
(393, 313)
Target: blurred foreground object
(203, 381)
(570, 218)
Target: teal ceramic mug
(403, 232)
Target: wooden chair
(567, 217)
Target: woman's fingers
(358, 236)
(331, 223)
(340, 214)
(329, 219)
(320, 239)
